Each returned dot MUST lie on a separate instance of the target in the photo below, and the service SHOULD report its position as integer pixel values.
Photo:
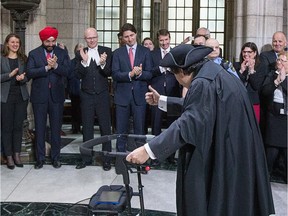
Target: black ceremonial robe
(222, 166)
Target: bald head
(91, 37)
(279, 41)
(214, 44)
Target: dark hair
(20, 52)
(254, 48)
(119, 35)
(163, 32)
(191, 69)
(147, 38)
(127, 27)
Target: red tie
(48, 55)
(131, 57)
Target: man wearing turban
(222, 167)
(47, 65)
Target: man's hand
(103, 58)
(138, 156)
(52, 62)
(84, 55)
(152, 97)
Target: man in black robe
(221, 166)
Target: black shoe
(10, 166)
(83, 164)
(106, 166)
(39, 164)
(56, 164)
(19, 165)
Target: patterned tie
(48, 55)
(164, 53)
(131, 57)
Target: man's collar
(168, 49)
(95, 48)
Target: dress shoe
(10, 163)
(39, 164)
(56, 164)
(10, 166)
(19, 165)
(83, 164)
(106, 166)
(17, 160)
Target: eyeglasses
(91, 38)
(281, 60)
(249, 52)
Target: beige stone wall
(256, 21)
(71, 18)
(6, 24)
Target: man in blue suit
(47, 65)
(131, 71)
(164, 82)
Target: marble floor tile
(50, 191)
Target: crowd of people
(130, 81)
(213, 113)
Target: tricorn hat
(185, 55)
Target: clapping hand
(103, 58)
(52, 62)
(20, 77)
(14, 72)
(84, 55)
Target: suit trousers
(123, 113)
(12, 117)
(55, 112)
(96, 105)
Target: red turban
(48, 32)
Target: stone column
(256, 21)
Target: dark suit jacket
(120, 73)
(215, 104)
(41, 79)
(268, 58)
(276, 125)
(100, 75)
(254, 82)
(6, 80)
(158, 79)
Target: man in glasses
(94, 68)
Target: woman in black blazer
(14, 98)
(252, 73)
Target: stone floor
(67, 191)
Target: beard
(48, 48)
